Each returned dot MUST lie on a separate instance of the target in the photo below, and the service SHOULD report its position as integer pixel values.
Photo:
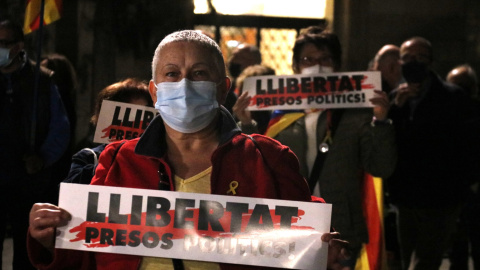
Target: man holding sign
(193, 146)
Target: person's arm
(378, 147)
(58, 135)
(377, 138)
(83, 165)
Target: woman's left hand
(337, 251)
(382, 105)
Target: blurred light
(232, 43)
(277, 8)
(201, 6)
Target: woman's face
(189, 60)
(311, 55)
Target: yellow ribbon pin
(233, 186)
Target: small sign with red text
(191, 226)
(313, 91)
(118, 121)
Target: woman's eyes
(171, 74)
(200, 74)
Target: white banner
(118, 121)
(322, 91)
(203, 227)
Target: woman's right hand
(240, 109)
(44, 219)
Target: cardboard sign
(191, 226)
(321, 91)
(118, 121)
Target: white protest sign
(321, 91)
(118, 121)
(191, 226)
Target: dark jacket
(83, 165)
(357, 147)
(434, 157)
(16, 111)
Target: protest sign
(191, 226)
(118, 121)
(313, 91)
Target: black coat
(435, 140)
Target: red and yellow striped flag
(373, 255)
(281, 120)
(53, 9)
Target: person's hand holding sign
(240, 109)
(382, 105)
(44, 218)
(337, 251)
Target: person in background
(435, 157)
(387, 61)
(336, 147)
(466, 238)
(83, 163)
(33, 136)
(193, 151)
(465, 77)
(256, 121)
(243, 56)
(65, 78)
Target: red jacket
(263, 168)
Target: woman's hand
(337, 251)
(240, 109)
(382, 105)
(44, 219)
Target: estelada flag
(281, 120)
(373, 254)
(53, 9)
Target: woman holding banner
(335, 147)
(193, 146)
(84, 161)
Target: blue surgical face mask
(4, 59)
(187, 106)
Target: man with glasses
(33, 135)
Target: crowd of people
(422, 140)
(420, 137)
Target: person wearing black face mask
(434, 157)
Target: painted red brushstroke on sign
(177, 233)
(107, 131)
(285, 94)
